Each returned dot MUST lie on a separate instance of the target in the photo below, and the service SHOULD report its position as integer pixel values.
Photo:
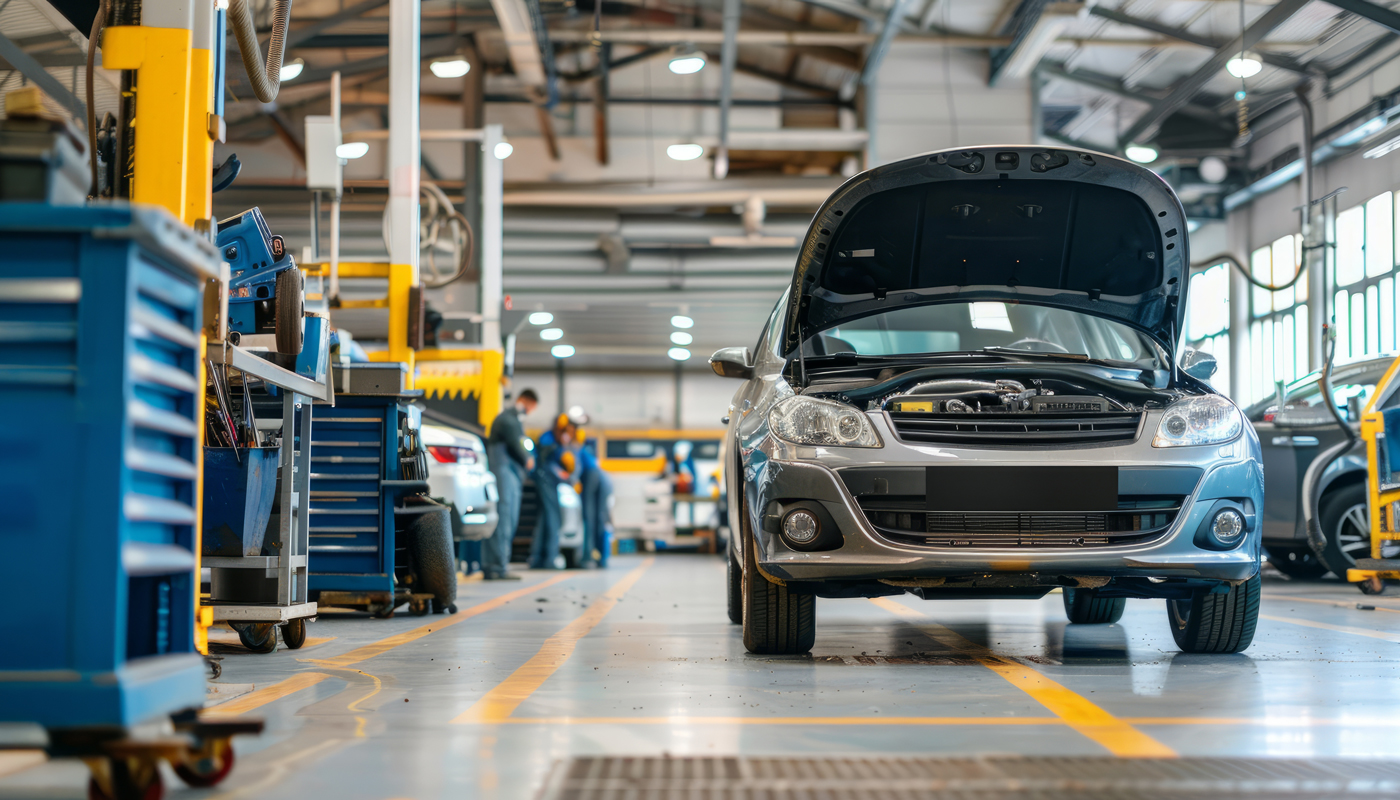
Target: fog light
(1228, 526)
(801, 527)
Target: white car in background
(458, 476)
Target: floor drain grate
(987, 778)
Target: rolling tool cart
(1380, 429)
(100, 392)
(376, 541)
(258, 578)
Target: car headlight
(1210, 419)
(807, 420)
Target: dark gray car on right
(1291, 439)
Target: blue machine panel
(99, 364)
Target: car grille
(908, 522)
(1017, 429)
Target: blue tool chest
(99, 441)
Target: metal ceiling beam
(1027, 14)
(1380, 15)
(302, 34)
(881, 46)
(1182, 35)
(35, 72)
(1111, 85)
(728, 56)
(1186, 88)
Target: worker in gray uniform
(510, 461)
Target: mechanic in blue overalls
(549, 473)
(596, 493)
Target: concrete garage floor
(639, 660)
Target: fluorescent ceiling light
(1141, 153)
(685, 152)
(682, 321)
(562, 350)
(291, 69)
(551, 334)
(352, 149)
(455, 68)
(687, 62)
(678, 354)
(1244, 65)
(503, 150)
(541, 318)
(1384, 148)
(681, 338)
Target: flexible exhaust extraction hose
(1317, 540)
(265, 79)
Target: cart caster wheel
(260, 637)
(439, 608)
(419, 608)
(1372, 585)
(381, 612)
(294, 634)
(216, 666)
(208, 765)
(125, 779)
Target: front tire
(1085, 607)
(1216, 623)
(776, 620)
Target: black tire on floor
(734, 586)
(294, 633)
(290, 309)
(1346, 525)
(1085, 607)
(260, 637)
(776, 621)
(1216, 623)
(430, 548)
(1297, 562)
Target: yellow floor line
(397, 640)
(261, 697)
(1389, 637)
(1115, 735)
(499, 703)
(1334, 603)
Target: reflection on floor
(640, 660)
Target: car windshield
(973, 327)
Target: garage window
(1208, 319)
(1365, 290)
(1278, 337)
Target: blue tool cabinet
(99, 386)
(355, 447)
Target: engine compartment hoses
(1317, 540)
(264, 78)
(1235, 262)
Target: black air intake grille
(1015, 429)
(907, 522)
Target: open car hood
(1018, 224)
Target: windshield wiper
(1039, 354)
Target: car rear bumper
(864, 553)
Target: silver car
(458, 476)
(972, 390)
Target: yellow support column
(401, 280)
(161, 57)
(493, 366)
(199, 176)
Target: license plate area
(1031, 488)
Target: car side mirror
(1199, 364)
(732, 362)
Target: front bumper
(864, 554)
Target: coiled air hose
(265, 79)
(1317, 540)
